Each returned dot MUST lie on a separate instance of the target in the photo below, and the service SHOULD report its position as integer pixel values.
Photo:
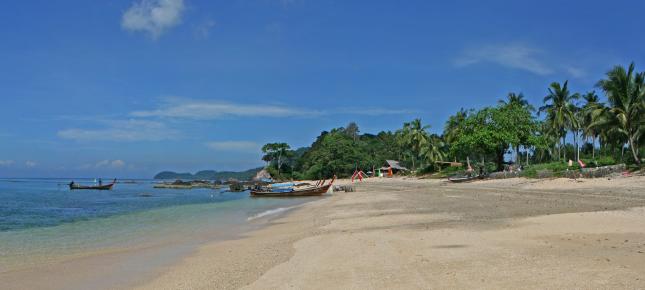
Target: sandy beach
(420, 234)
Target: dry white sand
(420, 234)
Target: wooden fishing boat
(317, 190)
(459, 179)
(73, 186)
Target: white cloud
(6, 162)
(203, 30)
(30, 163)
(238, 146)
(117, 163)
(208, 110)
(576, 72)
(110, 164)
(129, 130)
(374, 111)
(514, 55)
(105, 164)
(153, 16)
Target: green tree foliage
(276, 153)
(490, 131)
(487, 133)
(521, 123)
(560, 111)
(625, 91)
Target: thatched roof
(395, 165)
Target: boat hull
(91, 187)
(318, 191)
(466, 179)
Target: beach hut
(393, 167)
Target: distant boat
(73, 186)
(311, 190)
(458, 179)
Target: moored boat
(458, 179)
(73, 186)
(312, 190)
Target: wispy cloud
(152, 16)
(237, 146)
(30, 163)
(6, 162)
(128, 130)
(105, 164)
(373, 111)
(514, 55)
(576, 72)
(203, 29)
(207, 110)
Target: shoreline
(546, 236)
(400, 233)
(141, 256)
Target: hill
(209, 175)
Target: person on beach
(100, 182)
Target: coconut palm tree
(516, 99)
(560, 110)
(453, 126)
(589, 114)
(415, 137)
(432, 151)
(625, 91)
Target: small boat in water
(73, 186)
(296, 191)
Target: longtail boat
(312, 190)
(458, 179)
(73, 186)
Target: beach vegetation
(566, 126)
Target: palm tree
(432, 152)
(516, 99)
(625, 91)
(415, 137)
(560, 110)
(454, 124)
(588, 116)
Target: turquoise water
(41, 219)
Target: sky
(128, 88)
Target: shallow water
(41, 220)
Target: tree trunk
(575, 141)
(500, 160)
(593, 147)
(517, 154)
(634, 150)
(564, 148)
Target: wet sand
(419, 234)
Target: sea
(43, 221)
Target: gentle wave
(272, 212)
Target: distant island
(209, 175)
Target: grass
(558, 168)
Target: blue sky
(128, 88)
